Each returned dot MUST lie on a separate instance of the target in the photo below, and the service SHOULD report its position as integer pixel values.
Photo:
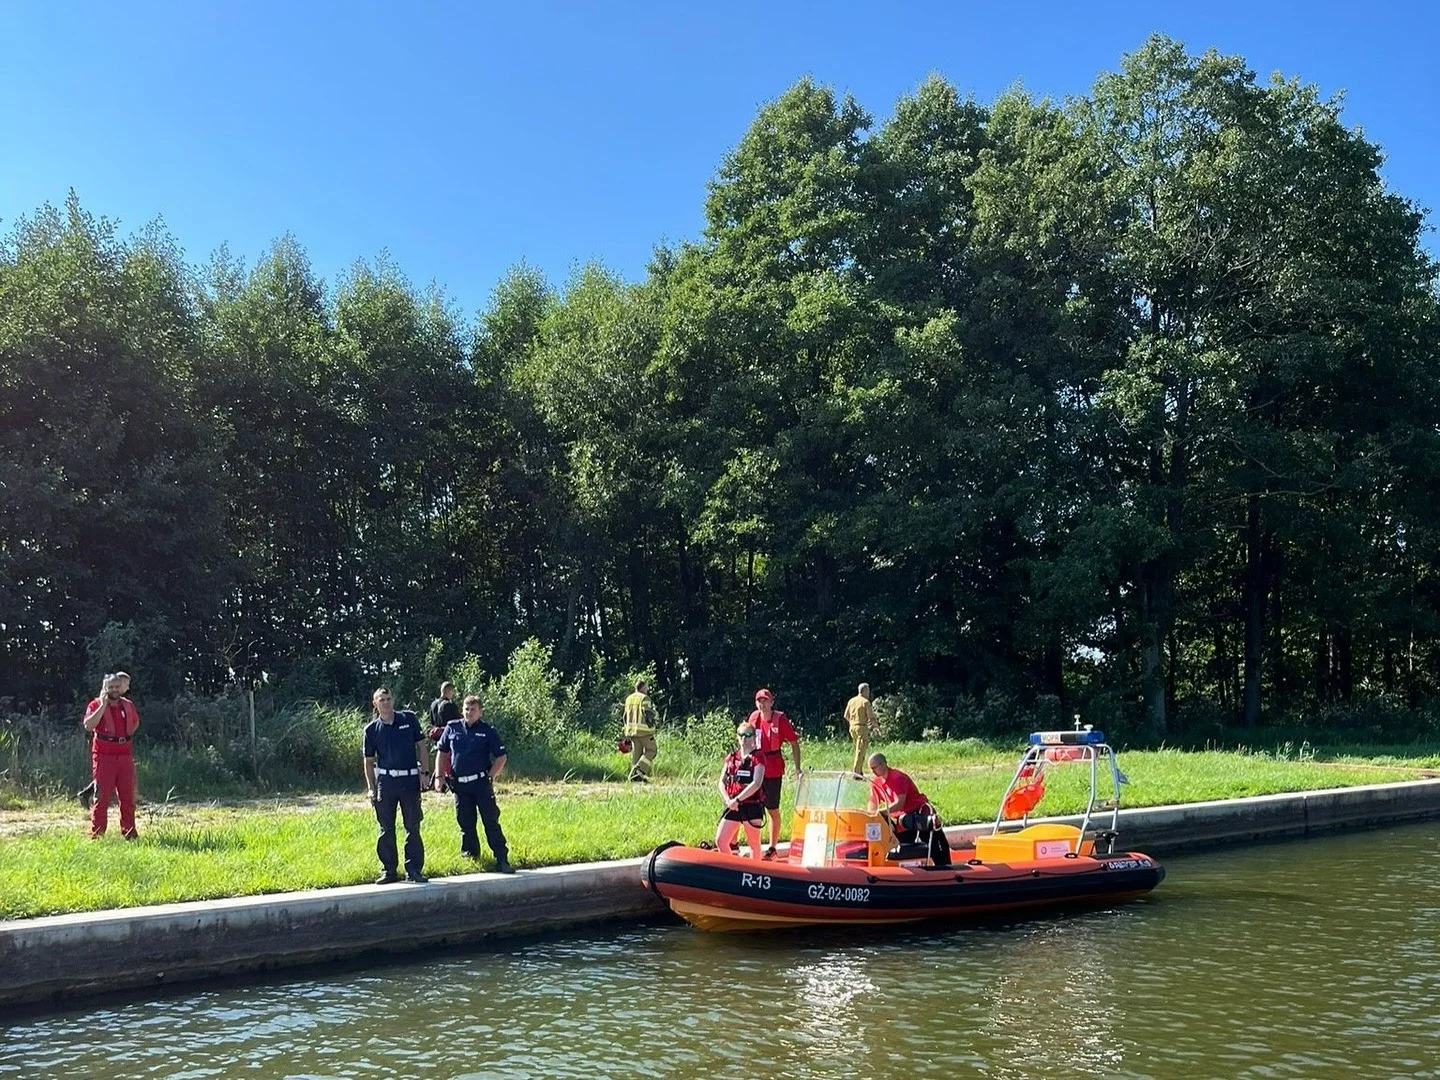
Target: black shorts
(752, 812)
(771, 787)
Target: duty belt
(397, 772)
(467, 779)
(112, 738)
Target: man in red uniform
(112, 721)
(914, 818)
(773, 730)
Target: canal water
(1316, 959)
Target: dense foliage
(1126, 404)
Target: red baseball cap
(764, 695)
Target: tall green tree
(110, 514)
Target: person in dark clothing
(395, 759)
(442, 710)
(473, 755)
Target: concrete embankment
(67, 955)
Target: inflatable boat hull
(716, 891)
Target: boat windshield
(832, 791)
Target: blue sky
(464, 138)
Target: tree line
(1126, 403)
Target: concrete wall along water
(66, 955)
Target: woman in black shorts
(742, 785)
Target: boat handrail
(1086, 748)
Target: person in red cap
(774, 730)
(111, 720)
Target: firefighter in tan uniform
(640, 731)
(860, 715)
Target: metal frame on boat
(1083, 745)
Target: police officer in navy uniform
(472, 751)
(395, 768)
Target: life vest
(767, 734)
(740, 774)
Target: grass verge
(193, 851)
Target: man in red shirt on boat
(112, 722)
(913, 817)
(742, 785)
(773, 730)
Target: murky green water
(1317, 959)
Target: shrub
(317, 741)
(1119, 716)
(712, 734)
(1200, 720)
(326, 678)
(531, 698)
(602, 693)
(1383, 717)
(468, 677)
(905, 714)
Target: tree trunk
(1345, 662)
(749, 583)
(1253, 606)
(694, 613)
(1220, 664)
(1322, 665)
(1172, 672)
(1052, 675)
(572, 617)
(1154, 616)
(640, 606)
(1279, 682)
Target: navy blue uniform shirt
(471, 749)
(393, 745)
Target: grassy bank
(191, 851)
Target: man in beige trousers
(860, 715)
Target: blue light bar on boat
(1067, 738)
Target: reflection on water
(1301, 960)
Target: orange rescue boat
(845, 867)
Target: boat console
(834, 822)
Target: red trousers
(114, 775)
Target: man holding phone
(112, 722)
